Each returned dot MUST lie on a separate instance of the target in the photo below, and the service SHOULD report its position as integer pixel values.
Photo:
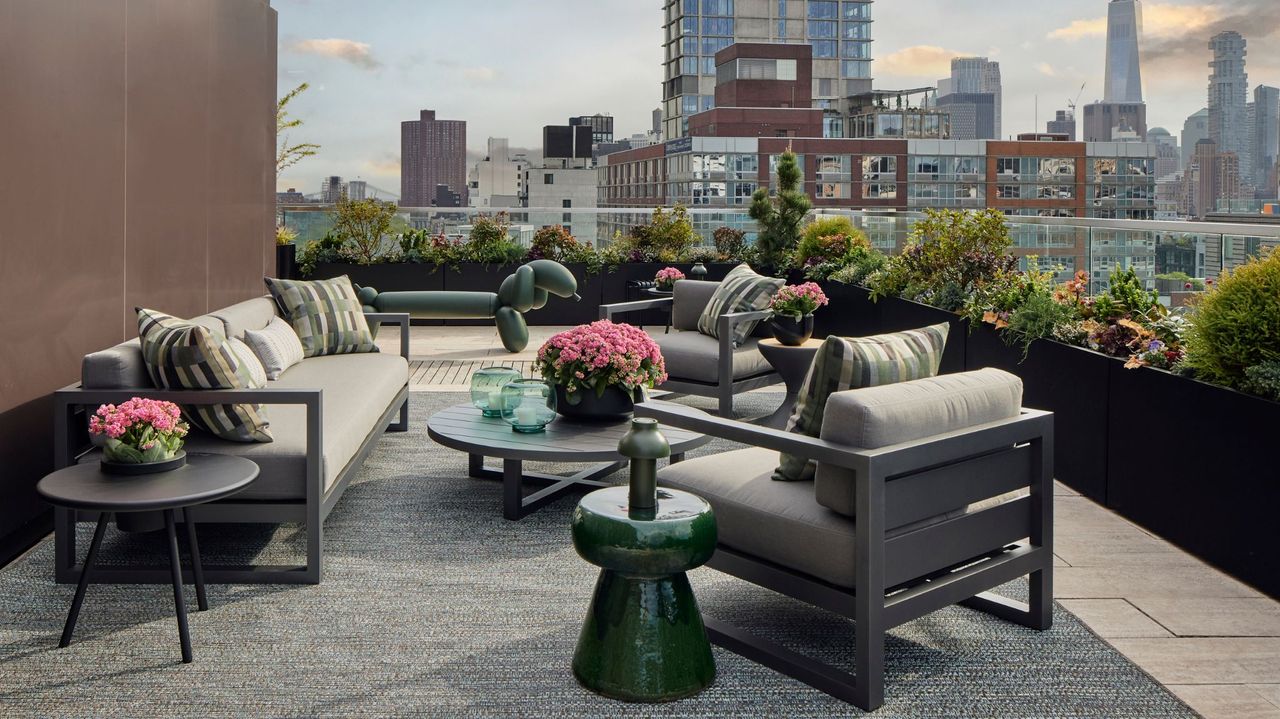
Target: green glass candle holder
(486, 388)
(528, 405)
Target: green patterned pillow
(845, 363)
(326, 314)
(183, 355)
(742, 290)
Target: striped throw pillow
(276, 345)
(742, 290)
(183, 355)
(845, 363)
(326, 315)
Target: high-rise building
(601, 126)
(496, 180)
(1266, 139)
(1124, 71)
(973, 115)
(1063, 122)
(433, 153)
(656, 127)
(1217, 177)
(840, 33)
(1108, 121)
(1167, 154)
(1194, 129)
(357, 189)
(974, 76)
(331, 189)
(1228, 94)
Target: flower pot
(790, 330)
(286, 261)
(615, 404)
(135, 468)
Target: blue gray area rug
(433, 605)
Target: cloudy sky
(508, 67)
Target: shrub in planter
(1236, 324)
(1263, 380)
(667, 238)
(827, 245)
(490, 241)
(780, 217)
(861, 263)
(730, 244)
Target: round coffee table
(792, 363)
(205, 478)
(462, 427)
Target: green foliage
(285, 235)
(1263, 380)
(1037, 317)
(730, 243)
(667, 237)
(1197, 284)
(288, 155)
(556, 243)
(827, 246)
(948, 255)
(361, 226)
(861, 263)
(326, 249)
(779, 218)
(417, 245)
(1236, 325)
(827, 226)
(490, 241)
(1126, 297)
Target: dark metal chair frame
(310, 512)
(724, 390)
(907, 576)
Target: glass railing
(1064, 244)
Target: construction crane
(1071, 104)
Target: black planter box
(1071, 382)
(286, 261)
(850, 312)
(393, 277)
(1196, 464)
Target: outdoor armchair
(940, 519)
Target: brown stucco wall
(137, 146)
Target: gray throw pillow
(276, 345)
(742, 290)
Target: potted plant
(139, 436)
(666, 278)
(793, 307)
(599, 370)
(286, 252)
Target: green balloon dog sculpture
(526, 289)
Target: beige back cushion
(121, 366)
(254, 314)
(889, 414)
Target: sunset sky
(508, 67)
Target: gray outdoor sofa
(949, 480)
(325, 415)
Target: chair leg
(726, 401)
(401, 425)
(1040, 598)
(868, 668)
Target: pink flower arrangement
(138, 430)
(667, 277)
(600, 355)
(798, 300)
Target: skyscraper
(1266, 138)
(331, 189)
(1195, 129)
(840, 33)
(1064, 121)
(432, 153)
(1228, 93)
(1124, 71)
(976, 76)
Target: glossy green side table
(643, 639)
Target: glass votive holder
(486, 388)
(528, 405)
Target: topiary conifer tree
(780, 217)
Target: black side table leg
(201, 600)
(170, 519)
(512, 494)
(70, 626)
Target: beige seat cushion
(358, 389)
(780, 521)
(695, 356)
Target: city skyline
(610, 62)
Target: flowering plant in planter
(667, 277)
(601, 355)
(138, 430)
(798, 300)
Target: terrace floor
(1210, 639)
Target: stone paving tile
(1226, 701)
(1189, 580)
(1206, 660)
(1270, 692)
(1214, 617)
(1114, 618)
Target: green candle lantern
(486, 388)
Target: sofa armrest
(608, 311)
(393, 318)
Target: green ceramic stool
(643, 639)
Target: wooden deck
(453, 375)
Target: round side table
(205, 478)
(792, 364)
(643, 639)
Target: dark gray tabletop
(205, 477)
(462, 427)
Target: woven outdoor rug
(434, 605)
